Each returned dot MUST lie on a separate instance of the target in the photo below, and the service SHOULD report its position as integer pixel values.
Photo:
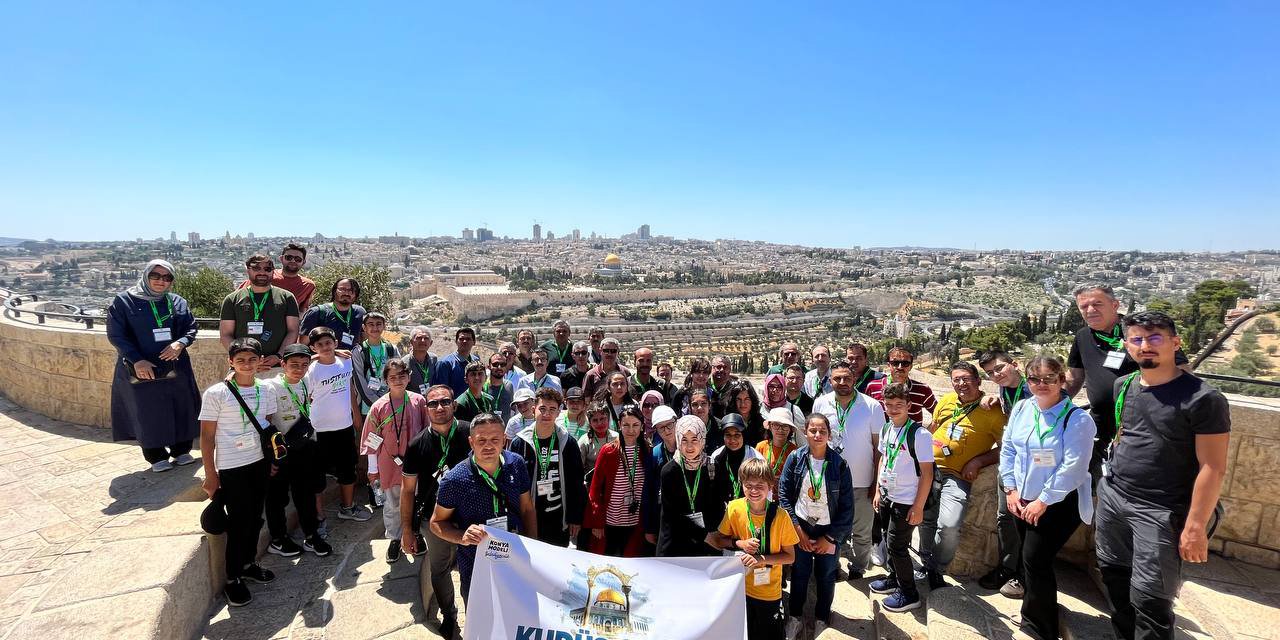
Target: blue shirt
(325, 315)
(1071, 447)
(463, 490)
(452, 370)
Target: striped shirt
(922, 400)
(619, 513)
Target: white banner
(523, 589)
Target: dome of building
(610, 595)
(613, 260)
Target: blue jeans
(943, 515)
(827, 567)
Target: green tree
(998, 337)
(375, 284)
(203, 290)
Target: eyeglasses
(963, 380)
(608, 351)
(441, 403)
(900, 363)
(651, 405)
(699, 405)
(263, 267)
(666, 426)
(289, 258)
(155, 276)
(1043, 380)
(548, 409)
(581, 353)
(1155, 341)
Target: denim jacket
(838, 485)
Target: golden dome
(610, 595)
(612, 259)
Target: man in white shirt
(539, 377)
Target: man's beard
(290, 268)
(1148, 364)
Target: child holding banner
(765, 539)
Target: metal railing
(13, 304)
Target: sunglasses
(900, 363)
(581, 353)
(442, 402)
(291, 258)
(264, 268)
(156, 276)
(608, 351)
(651, 405)
(1043, 380)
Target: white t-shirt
(236, 441)
(855, 437)
(815, 512)
(330, 387)
(517, 423)
(287, 412)
(905, 480)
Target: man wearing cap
(643, 380)
(574, 416)
(554, 465)
(297, 474)
(539, 378)
(726, 460)
(559, 349)
(498, 388)
(522, 415)
(473, 401)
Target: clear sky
(1148, 125)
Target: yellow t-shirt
(973, 435)
(781, 534)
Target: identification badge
(545, 487)
(559, 368)
(628, 499)
(440, 474)
(373, 442)
(696, 519)
(1106, 470)
(244, 441)
(348, 339)
(760, 576)
(954, 432)
(1044, 457)
(375, 385)
(1114, 360)
(555, 456)
(422, 389)
(396, 459)
(255, 328)
(946, 451)
(162, 334)
(889, 478)
(499, 522)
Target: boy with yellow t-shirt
(765, 539)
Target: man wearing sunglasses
(922, 398)
(576, 374)
(609, 348)
(1157, 500)
(1098, 358)
(262, 311)
(288, 277)
(430, 455)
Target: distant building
(250, 236)
(193, 239)
(550, 236)
(483, 235)
(643, 233)
(577, 235)
(173, 236)
(612, 267)
(537, 232)
(468, 234)
(1243, 306)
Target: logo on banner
(601, 602)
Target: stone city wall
(491, 304)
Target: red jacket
(602, 480)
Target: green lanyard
(1041, 434)
(537, 384)
(841, 415)
(776, 460)
(168, 307)
(733, 478)
(394, 413)
(1124, 392)
(1011, 399)
(445, 441)
(817, 385)
(891, 453)
(958, 412)
(558, 353)
(347, 320)
(302, 406)
(426, 373)
(576, 429)
(492, 481)
(484, 406)
(692, 493)
(1113, 338)
(258, 306)
(257, 403)
(815, 484)
(761, 533)
(377, 356)
(631, 468)
(864, 377)
(544, 462)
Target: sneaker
(920, 574)
(284, 547)
(818, 627)
(237, 593)
(162, 466)
(877, 554)
(255, 573)
(322, 528)
(393, 551)
(794, 625)
(1013, 589)
(899, 601)
(995, 578)
(184, 460)
(359, 514)
(854, 575)
(887, 584)
(936, 581)
(315, 544)
(421, 545)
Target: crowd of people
(563, 442)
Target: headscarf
(782, 381)
(142, 289)
(656, 395)
(691, 424)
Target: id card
(440, 474)
(1044, 457)
(375, 385)
(559, 368)
(946, 451)
(1114, 359)
(348, 339)
(422, 389)
(162, 334)
(546, 487)
(696, 519)
(373, 442)
(1106, 470)
(499, 522)
(244, 441)
(255, 328)
(760, 576)
(398, 460)
(888, 478)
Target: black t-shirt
(423, 457)
(1089, 352)
(1155, 458)
(572, 378)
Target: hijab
(782, 381)
(656, 395)
(143, 290)
(691, 424)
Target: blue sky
(1148, 125)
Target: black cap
(574, 393)
(732, 420)
(295, 350)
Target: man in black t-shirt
(576, 374)
(1098, 358)
(1157, 499)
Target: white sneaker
(877, 553)
(794, 625)
(818, 627)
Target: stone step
(907, 625)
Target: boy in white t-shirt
(235, 469)
(904, 478)
(335, 408)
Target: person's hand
(172, 351)
(875, 502)
(345, 354)
(268, 361)
(750, 545)
(823, 547)
(573, 530)
(990, 402)
(651, 538)
(211, 484)
(373, 477)
(805, 543)
(1032, 512)
(1014, 503)
(748, 560)
(475, 534)
(970, 470)
(144, 370)
(915, 515)
(598, 534)
(1194, 544)
(408, 541)
(274, 470)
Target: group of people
(563, 442)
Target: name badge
(440, 474)
(422, 389)
(1114, 359)
(559, 368)
(375, 385)
(499, 522)
(954, 432)
(889, 478)
(946, 451)
(397, 460)
(162, 334)
(244, 441)
(348, 339)
(373, 442)
(760, 576)
(1044, 457)
(1106, 470)
(546, 487)
(255, 328)
(696, 519)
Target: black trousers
(616, 539)
(1040, 546)
(898, 533)
(244, 491)
(764, 619)
(154, 455)
(298, 476)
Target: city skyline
(1040, 127)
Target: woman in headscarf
(154, 399)
(650, 400)
(690, 507)
(775, 396)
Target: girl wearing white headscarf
(690, 507)
(154, 398)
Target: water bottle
(379, 498)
